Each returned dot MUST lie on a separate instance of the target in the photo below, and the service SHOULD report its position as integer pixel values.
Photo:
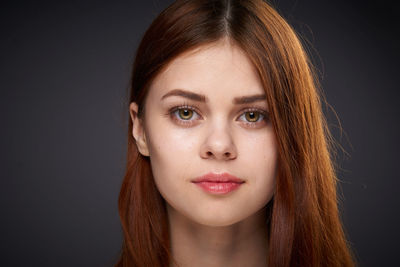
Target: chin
(213, 221)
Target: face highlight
(207, 112)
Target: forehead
(216, 69)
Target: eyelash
(175, 108)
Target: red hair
(304, 226)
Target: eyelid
(256, 124)
(184, 106)
(259, 110)
(184, 123)
(194, 108)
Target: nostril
(222, 155)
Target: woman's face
(205, 128)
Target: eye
(188, 116)
(254, 118)
(185, 115)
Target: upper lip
(217, 178)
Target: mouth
(218, 178)
(218, 183)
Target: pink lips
(218, 183)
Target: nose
(219, 144)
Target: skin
(216, 136)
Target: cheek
(259, 150)
(172, 155)
(260, 158)
(170, 148)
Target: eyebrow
(203, 98)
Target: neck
(244, 243)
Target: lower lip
(219, 188)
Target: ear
(138, 130)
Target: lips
(218, 178)
(218, 183)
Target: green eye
(185, 114)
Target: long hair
(304, 227)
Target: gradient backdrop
(65, 70)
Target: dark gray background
(65, 70)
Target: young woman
(228, 154)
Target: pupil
(252, 116)
(185, 114)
